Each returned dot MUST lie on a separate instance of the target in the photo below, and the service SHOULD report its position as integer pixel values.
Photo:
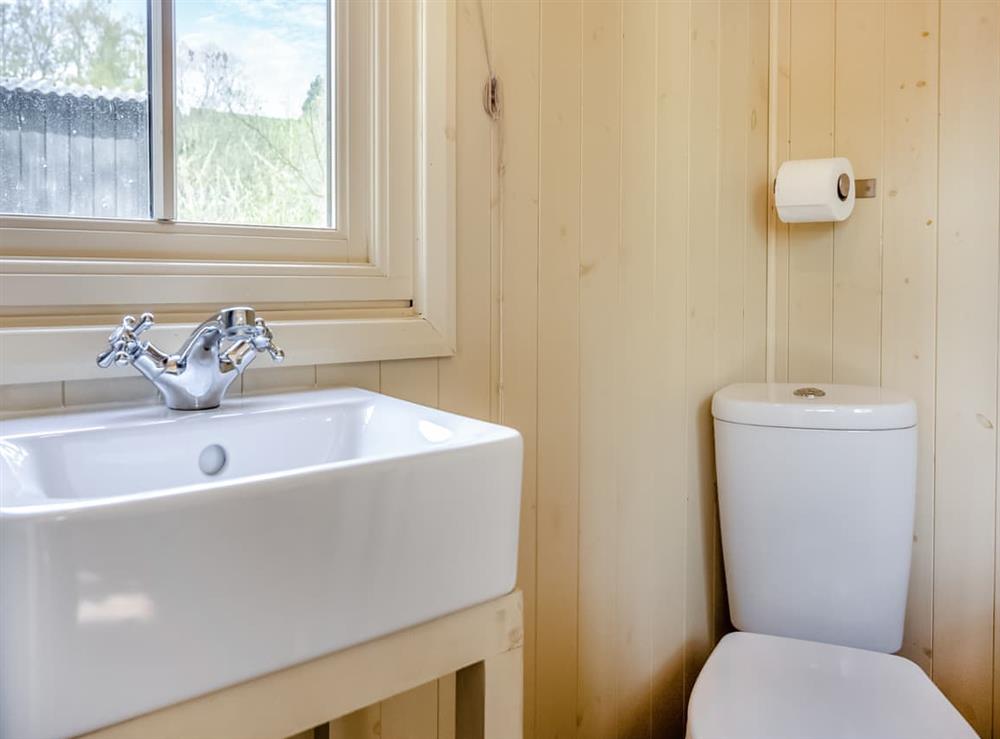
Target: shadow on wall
(682, 645)
(669, 698)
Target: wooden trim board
(486, 639)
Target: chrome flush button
(809, 392)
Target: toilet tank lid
(820, 406)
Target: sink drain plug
(212, 459)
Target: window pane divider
(332, 154)
(161, 106)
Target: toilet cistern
(198, 375)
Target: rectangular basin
(148, 556)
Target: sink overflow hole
(212, 459)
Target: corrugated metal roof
(44, 87)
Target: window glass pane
(252, 117)
(74, 110)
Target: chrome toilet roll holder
(862, 188)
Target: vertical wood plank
(734, 127)
(558, 369)
(810, 310)
(504, 698)
(19, 399)
(415, 380)
(497, 155)
(516, 34)
(265, 379)
(779, 268)
(446, 707)
(670, 460)
(470, 701)
(702, 326)
(965, 497)
(636, 440)
(601, 34)
(363, 724)
(734, 134)
(756, 194)
(411, 715)
(352, 374)
(857, 252)
(489, 697)
(465, 382)
(909, 269)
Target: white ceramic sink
(132, 579)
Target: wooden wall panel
(363, 724)
(611, 276)
(733, 214)
(365, 375)
(516, 29)
(632, 231)
(620, 316)
(466, 382)
(702, 325)
(635, 438)
(670, 463)
(411, 715)
(966, 446)
(857, 242)
(415, 380)
(779, 149)
(755, 192)
(918, 103)
(733, 167)
(558, 410)
(909, 272)
(600, 235)
(810, 245)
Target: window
(285, 153)
(252, 111)
(253, 108)
(74, 108)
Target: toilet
(816, 490)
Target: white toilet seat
(768, 687)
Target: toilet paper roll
(811, 190)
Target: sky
(280, 44)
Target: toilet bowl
(816, 501)
(756, 686)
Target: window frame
(388, 267)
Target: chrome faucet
(198, 375)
